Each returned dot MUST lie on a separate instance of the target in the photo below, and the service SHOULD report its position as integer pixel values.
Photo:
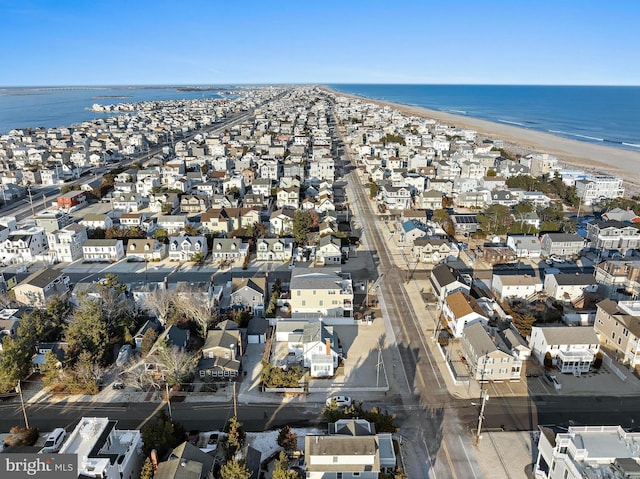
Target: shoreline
(570, 153)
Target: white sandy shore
(579, 154)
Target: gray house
(249, 294)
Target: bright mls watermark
(38, 466)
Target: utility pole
(235, 403)
(33, 211)
(485, 398)
(24, 410)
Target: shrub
(21, 436)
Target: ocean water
(59, 106)
(596, 114)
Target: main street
(434, 429)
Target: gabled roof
(569, 335)
(186, 461)
(462, 305)
(257, 284)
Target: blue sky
(117, 42)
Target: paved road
(202, 416)
(432, 427)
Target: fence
(609, 362)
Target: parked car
(118, 385)
(54, 441)
(553, 381)
(341, 401)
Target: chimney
(328, 344)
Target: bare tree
(158, 303)
(197, 306)
(175, 364)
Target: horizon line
(198, 85)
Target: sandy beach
(571, 153)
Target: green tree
(491, 173)
(383, 421)
(15, 362)
(88, 331)
(50, 370)
(147, 469)
(374, 189)
(287, 439)
(496, 219)
(301, 226)
(235, 470)
(162, 434)
(235, 436)
(148, 340)
(281, 470)
(441, 216)
(197, 257)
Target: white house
(569, 287)
(183, 247)
(104, 451)
(329, 250)
(24, 245)
(515, 286)
(524, 246)
(460, 310)
(279, 249)
(65, 244)
(99, 250)
(572, 349)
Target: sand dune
(579, 154)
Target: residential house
(460, 310)
(186, 461)
(172, 224)
(465, 224)
(127, 202)
(329, 250)
(351, 450)
(485, 359)
(221, 353)
(524, 246)
(319, 349)
(429, 200)
(619, 279)
(164, 202)
(498, 254)
(194, 204)
(229, 249)
(617, 325)
(97, 221)
(325, 292)
(183, 247)
(609, 236)
(618, 214)
(103, 250)
(281, 222)
(58, 348)
(249, 294)
(147, 249)
(396, 197)
(65, 244)
(587, 452)
(515, 286)
(288, 198)
(38, 287)
(279, 249)
(411, 230)
(444, 283)
(23, 246)
(572, 349)
(72, 200)
(52, 220)
(565, 245)
(103, 451)
(433, 249)
(569, 288)
(596, 188)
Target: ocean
(595, 114)
(604, 115)
(62, 106)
